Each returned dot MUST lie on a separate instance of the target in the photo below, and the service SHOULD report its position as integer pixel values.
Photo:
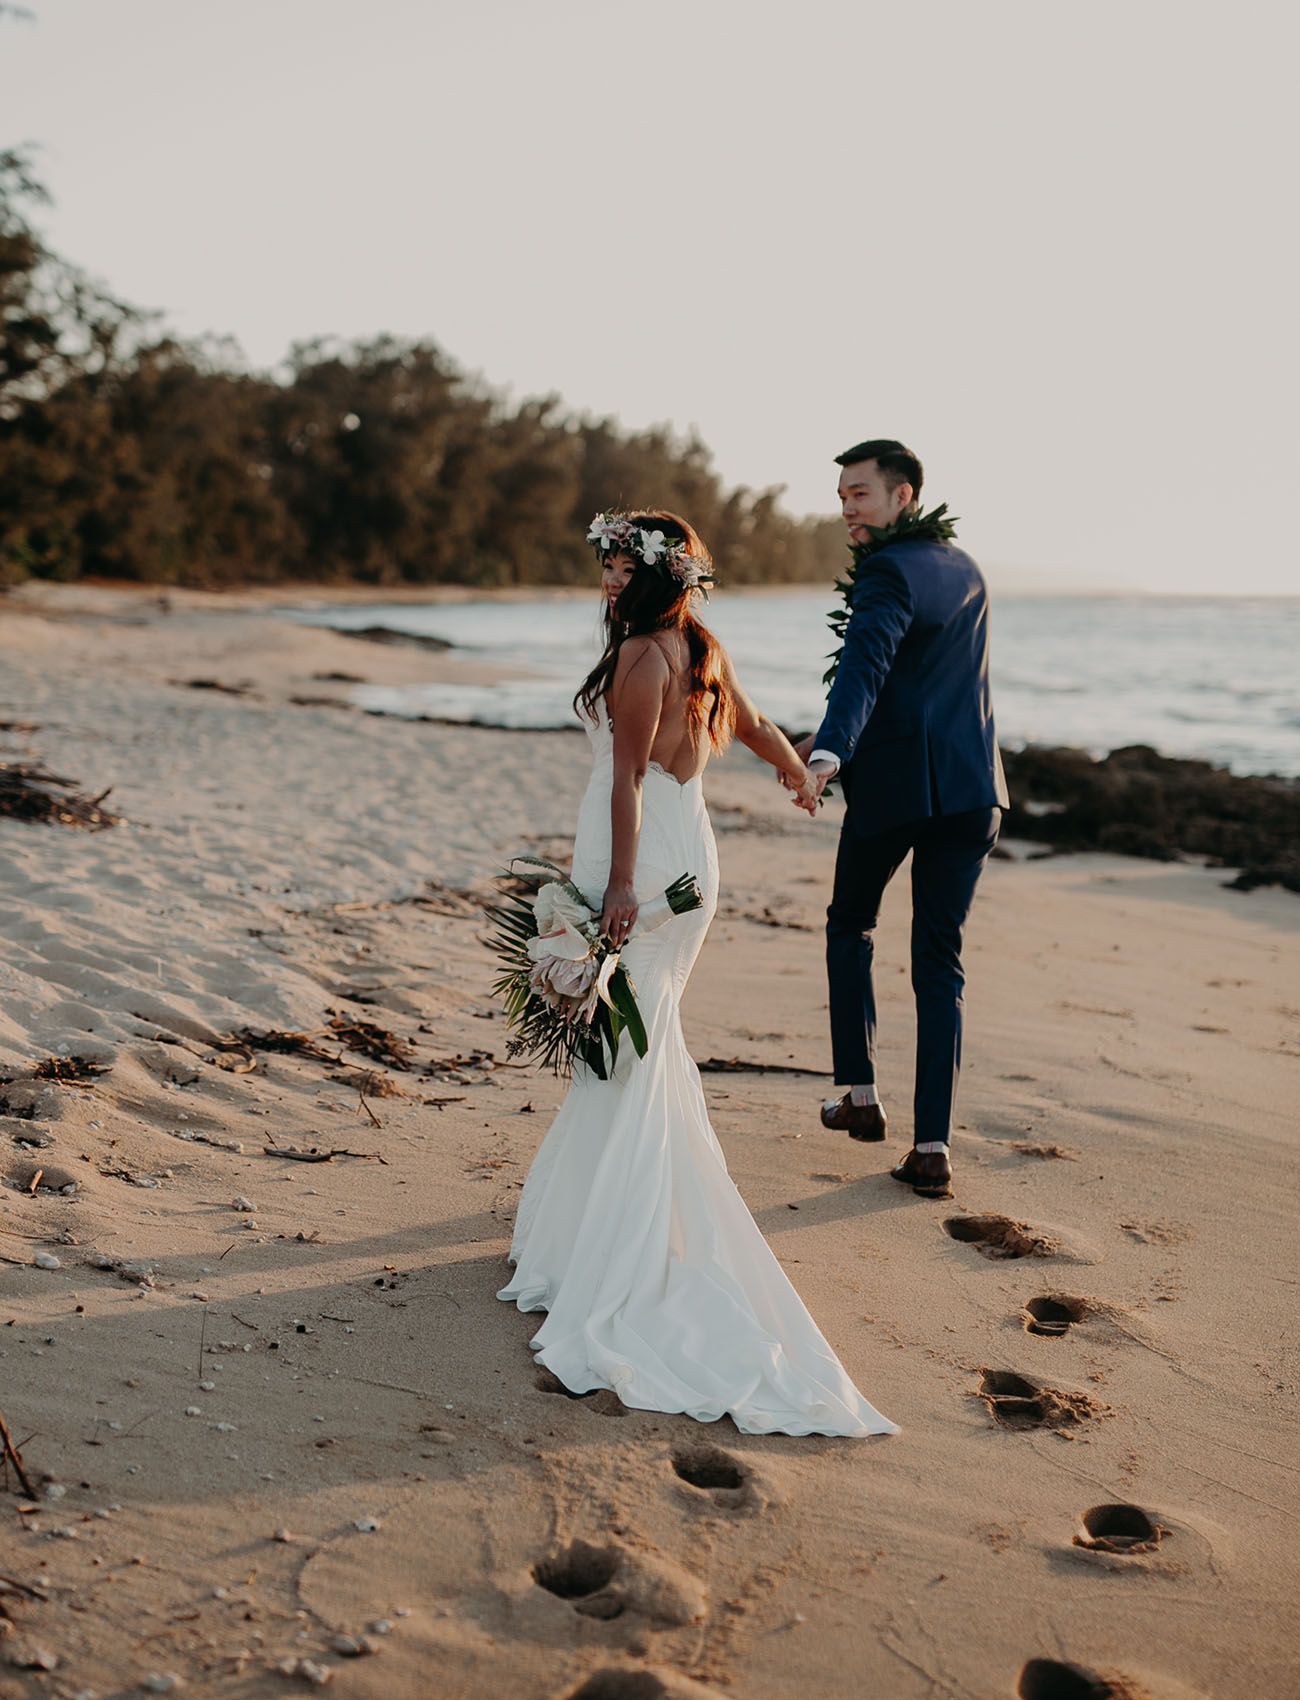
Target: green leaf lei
(933, 527)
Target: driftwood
(10, 1454)
(315, 1156)
(734, 1065)
(29, 791)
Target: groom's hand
(807, 794)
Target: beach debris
(370, 1040)
(241, 690)
(70, 1071)
(366, 1525)
(314, 1155)
(29, 792)
(244, 1204)
(34, 1658)
(369, 1083)
(141, 1274)
(163, 1682)
(364, 1037)
(47, 1260)
(130, 1178)
(441, 1103)
(335, 678)
(283, 1536)
(32, 1138)
(353, 1646)
(216, 1140)
(283, 1041)
(736, 1065)
(454, 1068)
(309, 1670)
(9, 1454)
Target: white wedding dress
(631, 1233)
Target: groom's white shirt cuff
(819, 760)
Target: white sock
(864, 1095)
(931, 1145)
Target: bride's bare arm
(636, 702)
(756, 732)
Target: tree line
(129, 453)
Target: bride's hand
(618, 912)
(807, 791)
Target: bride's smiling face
(615, 574)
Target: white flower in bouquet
(567, 979)
(653, 544)
(555, 907)
(565, 941)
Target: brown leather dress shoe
(859, 1121)
(928, 1173)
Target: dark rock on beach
(1136, 802)
(389, 634)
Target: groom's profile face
(868, 499)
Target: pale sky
(1048, 245)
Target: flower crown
(618, 534)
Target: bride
(630, 1232)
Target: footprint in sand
(1048, 1679)
(998, 1236)
(581, 1574)
(1018, 1401)
(617, 1684)
(621, 1685)
(1118, 1529)
(711, 1471)
(1053, 1314)
(604, 1401)
(606, 1581)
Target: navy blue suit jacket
(910, 715)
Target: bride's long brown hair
(654, 601)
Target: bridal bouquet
(566, 993)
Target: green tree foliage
(126, 453)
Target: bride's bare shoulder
(641, 652)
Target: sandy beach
(278, 1429)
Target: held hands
(807, 790)
(618, 912)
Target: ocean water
(1215, 677)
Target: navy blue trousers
(948, 857)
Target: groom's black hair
(895, 460)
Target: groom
(909, 727)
